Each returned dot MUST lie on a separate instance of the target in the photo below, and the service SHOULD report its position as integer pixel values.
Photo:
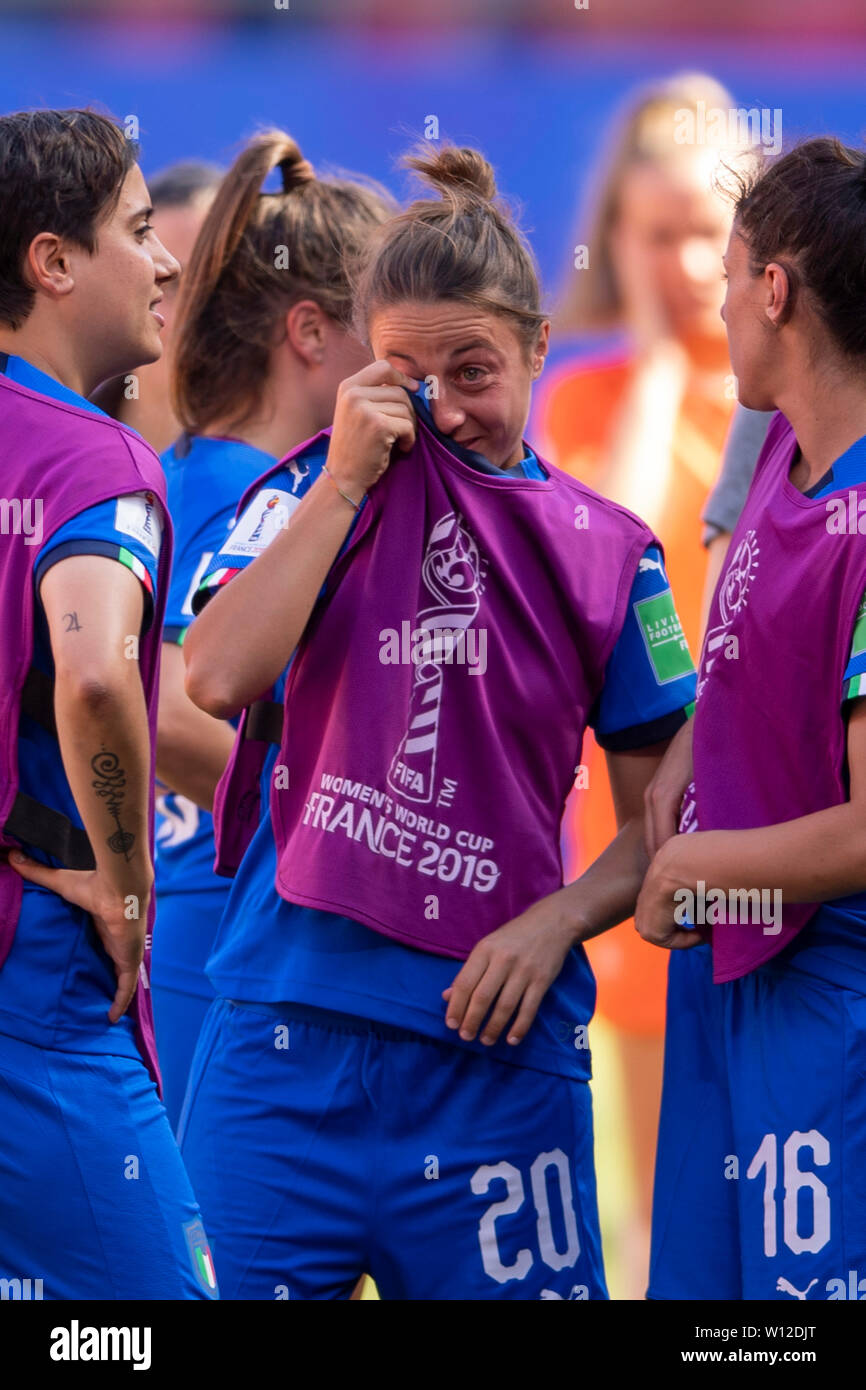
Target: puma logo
(782, 1286)
(647, 564)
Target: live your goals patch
(662, 631)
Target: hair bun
(294, 168)
(455, 169)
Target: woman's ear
(306, 331)
(47, 265)
(540, 350)
(782, 284)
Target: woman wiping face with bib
(454, 613)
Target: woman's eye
(144, 229)
(467, 374)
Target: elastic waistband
(331, 1019)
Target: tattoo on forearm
(73, 625)
(109, 782)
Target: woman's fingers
(67, 883)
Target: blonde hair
(644, 133)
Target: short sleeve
(650, 680)
(263, 517)
(854, 679)
(268, 512)
(128, 529)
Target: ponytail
(256, 255)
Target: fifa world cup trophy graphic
(733, 595)
(452, 574)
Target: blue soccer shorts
(180, 991)
(94, 1199)
(323, 1147)
(759, 1189)
(695, 1251)
(796, 1061)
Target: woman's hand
(510, 971)
(119, 916)
(372, 414)
(654, 913)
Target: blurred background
(531, 82)
(541, 87)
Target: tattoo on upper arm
(109, 782)
(73, 625)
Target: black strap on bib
(30, 820)
(265, 722)
(36, 824)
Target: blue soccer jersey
(271, 950)
(204, 479)
(57, 983)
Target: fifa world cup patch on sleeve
(266, 515)
(138, 515)
(202, 1260)
(662, 632)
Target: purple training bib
(436, 706)
(67, 459)
(770, 735)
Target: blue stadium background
(535, 100)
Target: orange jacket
(577, 415)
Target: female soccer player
(454, 613)
(774, 869)
(94, 1199)
(263, 345)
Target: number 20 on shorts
(512, 1202)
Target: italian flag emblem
(202, 1260)
(205, 1265)
(132, 562)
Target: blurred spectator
(644, 423)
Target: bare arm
(192, 747)
(105, 746)
(228, 662)
(664, 793)
(641, 449)
(511, 969)
(607, 891)
(814, 858)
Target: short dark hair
(179, 184)
(61, 172)
(809, 207)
